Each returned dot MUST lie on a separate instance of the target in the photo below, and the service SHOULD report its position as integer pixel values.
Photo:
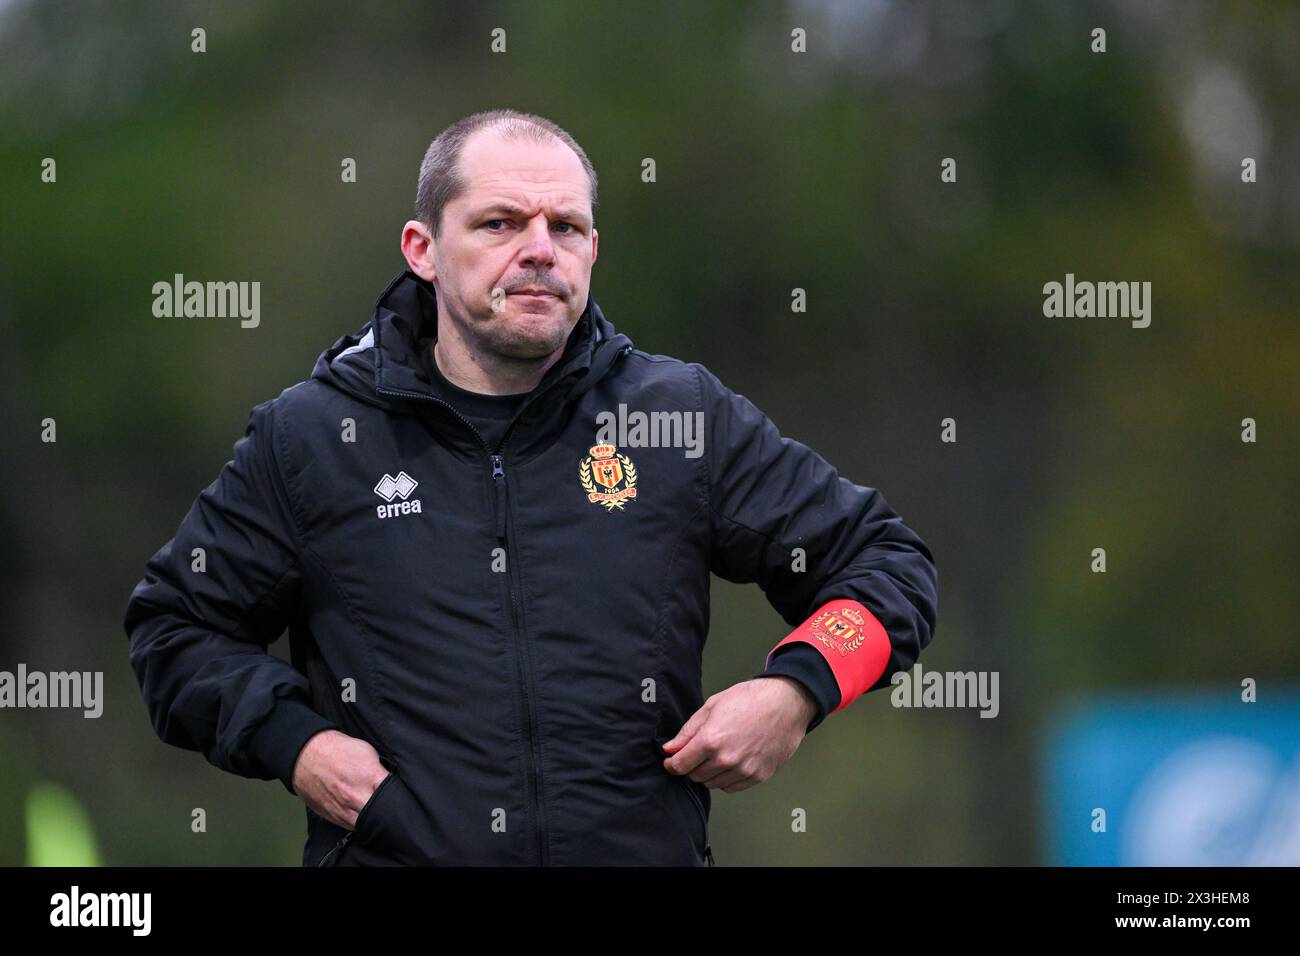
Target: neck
(474, 371)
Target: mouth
(535, 293)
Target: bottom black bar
(295, 905)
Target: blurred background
(776, 170)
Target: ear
(418, 248)
(595, 241)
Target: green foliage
(59, 832)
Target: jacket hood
(381, 363)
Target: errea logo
(399, 487)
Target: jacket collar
(381, 363)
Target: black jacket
(515, 629)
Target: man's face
(522, 226)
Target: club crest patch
(842, 629)
(607, 477)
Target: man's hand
(335, 775)
(742, 735)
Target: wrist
(804, 703)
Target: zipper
(501, 506)
(403, 393)
(704, 821)
(347, 837)
(534, 755)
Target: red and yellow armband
(853, 642)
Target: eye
(490, 221)
(571, 226)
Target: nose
(537, 249)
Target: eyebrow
(511, 209)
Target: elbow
(915, 579)
(151, 653)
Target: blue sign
(1193, 779)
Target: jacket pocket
(698, 804)
(367, 812)
(393, 830)
(363, 825)
(703, 817)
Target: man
(495, 574)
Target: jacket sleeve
(833, 558)
(199, 624)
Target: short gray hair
(440, 178)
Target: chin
(521, 339)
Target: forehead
(494, 167)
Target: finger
(690, 757)
(351, 814)
(364, 796)
(726, 777)
(708, 768)
(691, 727)
(343, 807)
(336, 813)
(342, 813)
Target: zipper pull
(347, 837)
(499, 479)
